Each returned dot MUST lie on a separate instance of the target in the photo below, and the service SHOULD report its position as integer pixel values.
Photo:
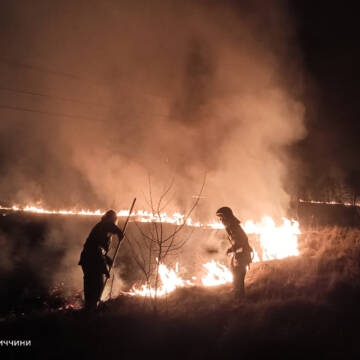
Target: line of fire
(270, 241)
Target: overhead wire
(7, 61)
(44, 112)
(34, 93)
(64, 74)
(15, 63)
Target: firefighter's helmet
(225, 212)
(110, 215)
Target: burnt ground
(295, 308)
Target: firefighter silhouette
(93, 258)
(240, 249)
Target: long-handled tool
(118, 245)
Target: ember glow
(275, 241)
(329, 202)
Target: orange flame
(169, 282)
(217, 274)
(276, 242)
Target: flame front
(276, 242)
(217, 274)
(140, 215)
(169, 282)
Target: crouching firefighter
(241, 251)
(93, 258)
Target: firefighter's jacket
(242, 251)
(92, 256)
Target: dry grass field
(299, 306)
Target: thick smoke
(167, 89)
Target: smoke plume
(101, 95)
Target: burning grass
(296, 306)
(272, 241)
(326, 272)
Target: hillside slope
(296, 307)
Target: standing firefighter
(240, 249)
(93, 258)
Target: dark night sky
(327, 41)
(328, 33)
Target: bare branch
(139, 264)
(190, 211)
(142, 232)
(157, 243)
(171, 198)
(165, 193)
(150, 194)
